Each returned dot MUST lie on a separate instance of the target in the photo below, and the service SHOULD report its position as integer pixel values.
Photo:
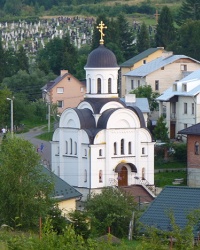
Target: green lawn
(166, 178)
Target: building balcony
(172, 116)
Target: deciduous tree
(24, 190)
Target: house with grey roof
(180, 201)
(193, 151)
(180, 104)
(135, 62)
(160, 73)
(65, 195)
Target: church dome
(101, 58)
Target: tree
(146, 91)
(165, 31)
(111, 208)
(126, 37)
(189, 35)
(2, 62)
(13, 7)
(190, 9)
(143, 40)
(24, 190)
(161, 131)
(4, 107)
(22, 59)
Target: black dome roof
(101, 58)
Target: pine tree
(143, 40)
(190, 9)
(165, 32)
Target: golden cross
(101, 27)
(156, 15)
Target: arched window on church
(129, 148)
(196, 148)
(89, 85)
(66, 150)
(115, 148)
(143, 173)
(71, 146)
(109, 86)
(75, 148)
(85, 176)
(98, 85)
(100, 152)
(100, 176)
(122, 146)
(85, 152)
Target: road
(30, 136)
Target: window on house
(129, 148)
(162, 68)
(109, 86)
(132, 84)
(156, 84)
(100, 176)
(85, 175)
(71, 146)
(115, 148)
(138, 83)
(99, 86)
(68, 78)
(58, 150)
(144, 61)
(75, 148)
(185, 108)
(185, 125)
(174, 87)
(59, 171)
(122, 146)
(196, 148)
(82, 89)
(60, 90)
(184, 87)
(183, 67)
(100, 152)
(60, 104)
(192, 108)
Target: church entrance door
(123, 177)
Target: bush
(180, 152)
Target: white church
(102, 142)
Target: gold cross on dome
(101, 27)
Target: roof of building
(192, 130)
(101, 57)
(139, 57)
(156, 64)
(180, 201)
(169, 93)
(62, 190)
(141, 103)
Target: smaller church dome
(101, 58)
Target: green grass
(160, 164)
(166, 178)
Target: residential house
(65, 195)
(180, 104)
(178, 201)
(66, 91)
(161, 72)
(135, 62)
(193, 152)
(102, 142)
